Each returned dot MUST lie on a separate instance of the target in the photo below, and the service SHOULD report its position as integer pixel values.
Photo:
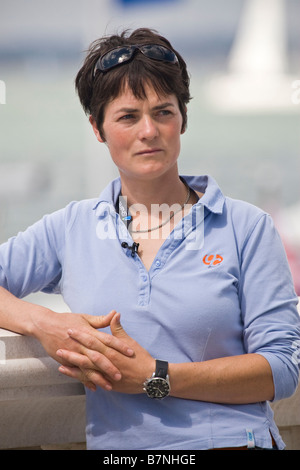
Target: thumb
(100, 321)
(116, 327)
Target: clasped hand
(113, 362)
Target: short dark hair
(96, 92)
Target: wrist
(158, 385)
(39, 320)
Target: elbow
(286, 382)
(285, 372)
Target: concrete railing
(41, 408)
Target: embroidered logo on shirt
(212, 260)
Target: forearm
(235, 379)
(18, 315)
(232, 380)
(51, 329)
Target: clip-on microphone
(133, 248)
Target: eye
(127, 117)
(165, 112)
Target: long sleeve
(268, 304)
(31, 261)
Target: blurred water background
(243, 127)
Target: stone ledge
(42, 421)
(38, 405)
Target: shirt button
(157, 263)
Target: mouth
(149, 151)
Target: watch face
(158, 388)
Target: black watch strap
(161, 369)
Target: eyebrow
(135, 110)
(163, 105)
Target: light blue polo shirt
(219, 286)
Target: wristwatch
(158, 386)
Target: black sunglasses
(123, 54)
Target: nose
(148, 128)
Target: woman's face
(143, 135)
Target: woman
(209, 319)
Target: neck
(158, 191)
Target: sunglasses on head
(123, 54)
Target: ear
(184, 128)
(95, 129)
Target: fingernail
(130, 352)
(59, 352)
(117, 376)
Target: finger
(100, 321)
(116, 327)
(90, 360)
(73, 358)
(87, 377)
(77, 374)
(96, 378)
(99, 341)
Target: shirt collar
(110, 194)
(213, 198)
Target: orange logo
(212, 260)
